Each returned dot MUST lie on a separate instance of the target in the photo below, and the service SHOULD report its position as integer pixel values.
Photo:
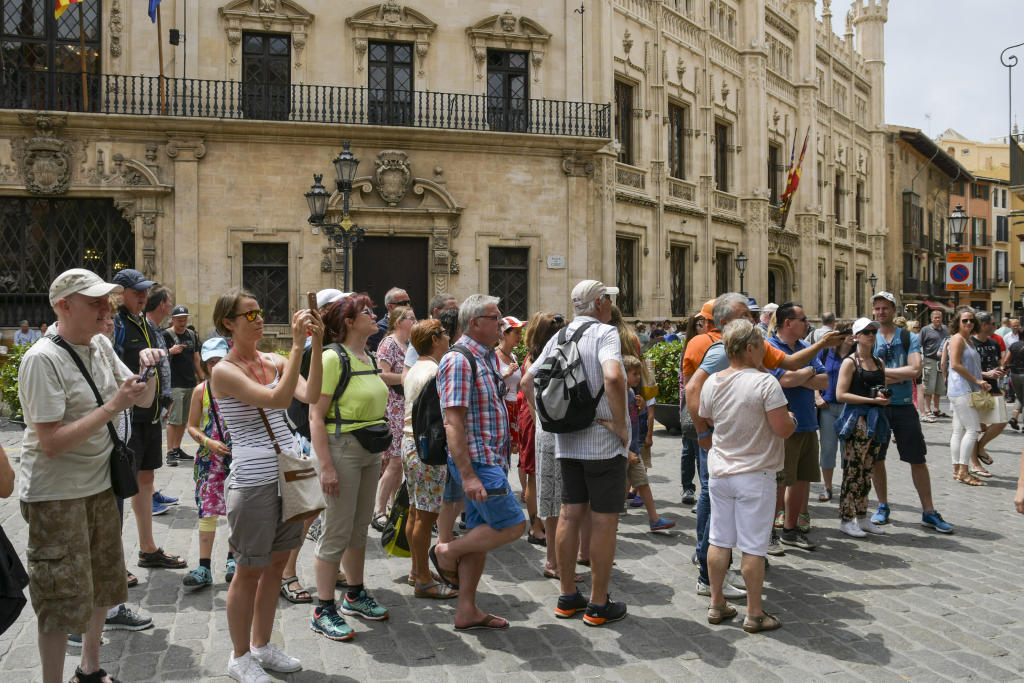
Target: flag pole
(160, 53)
(81, 46)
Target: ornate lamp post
(344, 234)
(741, 265)
(957, 225)
(873, 280)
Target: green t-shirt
(365, 399)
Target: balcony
(199, 98)
(912, 286)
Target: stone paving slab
(911, 605)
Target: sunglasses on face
(400, 303)
(367, 311)
(250, 315)
(966, 320)
(489, 317)
(872, 331)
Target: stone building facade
(513, 150)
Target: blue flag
(152, 9)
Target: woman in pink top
(749, 416)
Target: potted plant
(9, 384)
(665, 358)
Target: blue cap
(752, 305)
(129, 278)
(214, 347)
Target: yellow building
(510, 150)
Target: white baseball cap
(590, 290)
(888, 296)
(328, 296)
(861, 324)
(769, 308)
(80, 281)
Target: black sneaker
(774, 547)
(599, 616)
(1014, 425)
(688, 496)
(171, 459)
(127, 620)
(182, 455)
(796, 538)
(568, 606)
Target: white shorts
(996, 414)
(742, 511)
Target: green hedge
(665, 357)
(9, 380)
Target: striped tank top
(253, 459)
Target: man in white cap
(900, 351)
(593, 459)
(74, 528)
(766, 318)
(183, 353)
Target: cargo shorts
(75, 560)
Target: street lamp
(957, 225)
(741, 265)
(344, 234)
(873, 280)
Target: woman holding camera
(863, 427)
(964, 377)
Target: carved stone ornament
(627, 42)
(114, 28)
(279, 16)
(45, 159)
(268, 6)
(392, 175)
(508, 21)
(506, 31)
(391, 12)
(576, 166)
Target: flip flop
(984, 457)
(441, 591)
(445, 576)
(551, 574)
(981, 473)
(971, 481)
(486, 623)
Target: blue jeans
(688, 463)
(703, 515)
(828, 440)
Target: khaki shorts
(179, 408)
(255, 527)
(636, 473)
(931, 378)
(645, 455)
(75, 560)
(801, 459)
(346, 518)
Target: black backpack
(427, 420)
(298, 412)
(564, 401)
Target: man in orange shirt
(700, 362)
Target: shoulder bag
(297, 480)
(123, 466)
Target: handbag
(374, 438)
(982, 401)
(297, 480)
(123, 465)
(13, 580)
(393, 538)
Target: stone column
(179, 261)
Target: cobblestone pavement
(909, 605)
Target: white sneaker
(735, 579)
(869, 526)
(272, 658)
(729, 592)
(246, 669)
(851, 528)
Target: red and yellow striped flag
(63, 5)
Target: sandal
(435, 590)
(297, 594)
(95, 677)
(553, 574)
(981, 473)
(158, 559)
(488, 622)
(971, 481)
(451, 578)
(379, 521)
(984, 457)
(825, 496)
(719, 613)
(803, 522)
(765, 622)
(939, 413)
(133, 580)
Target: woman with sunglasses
(252, 390)
(964, 378)
(349, 464)
(862, 426)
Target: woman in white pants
(964, 377)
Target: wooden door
(380, 263)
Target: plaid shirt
(487, 432)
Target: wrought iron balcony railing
(200, 98)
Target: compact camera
(881, 389)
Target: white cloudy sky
(942, 60)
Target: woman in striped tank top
(246, 384)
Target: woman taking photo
(425, 482)
(252, 389)
(748, 413)
(391, 360)
(830, 408)
(348, 450)
(964, 377)
(862, 426)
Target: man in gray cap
(183, 352)
(133, 334)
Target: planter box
(668, 415)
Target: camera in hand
(881, 389)
(847, 331)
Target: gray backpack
(564, 401)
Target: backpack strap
(905, 341)
(119, 334)
(345, 378)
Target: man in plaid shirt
(476, 424)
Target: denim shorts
(453, 492)
(500, 510)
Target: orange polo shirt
(693, 355)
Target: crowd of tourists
(439, 410)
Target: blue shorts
(500, 510)
(453, 492)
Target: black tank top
(863, 380)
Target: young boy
(637, 472)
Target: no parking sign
(960, 272)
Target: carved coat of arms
(392, 176)
(46, 166)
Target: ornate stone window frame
(236, 236)
(509, 32)
(390, 21)
(266, 16)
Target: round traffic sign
(959, 273)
